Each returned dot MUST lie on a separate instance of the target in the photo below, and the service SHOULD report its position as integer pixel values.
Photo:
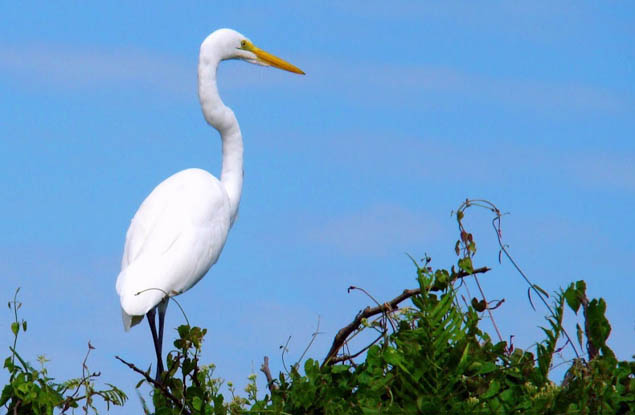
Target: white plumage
(180, 229)
(175, 237)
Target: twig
(345, 357)
(386, 316)
(352, 287)
(468, 243)
(157, 385)
(495, 306)
(284, 349)
(167, 297)
(496, 224)
(342, 335)
(16, 306)
(82, 382)
(265, 369)
(315, 334)
(489, 310)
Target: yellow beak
(271, 60)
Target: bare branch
(284, 350)
(315, 334)
(496, 224)
(265, 369)
(346, 357)
(489, 310)
(344, 333)
(157, 385)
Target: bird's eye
(243, 44)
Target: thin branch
(352, 287)
(315, 334)
(265, 369)
(385, 315)
(157, 385)
(16, 306)
(342, 335)
(345, 357)
(489, 310)
(284, 349)
(496, 224)
(167, 297)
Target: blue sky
(407, 108)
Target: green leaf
(479, 305)
(340, 368)
(183, 330)
(599, 327)
(6, 394)
(15, 328)
(539, 289)
(464, 358)
(392, 357)
(580, 287)
(580, 334)
(573, 298)
(188, 366)
(507, 395)
(493, 389)
(466, 265)
(197, 403)
(441, 280)
(487, 367)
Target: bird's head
(229, 44)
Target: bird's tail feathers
(136, 293)
(129, 321)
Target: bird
(180, 229)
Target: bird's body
(180, 229)
(175, 237)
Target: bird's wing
(157, 224)
(174, 238)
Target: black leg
(157, 346)
(162, 307)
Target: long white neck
(223, 119)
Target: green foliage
(438, 361)
(430, 357)
(33, 391)
(547, 348)
(187, 387)
(435, 360)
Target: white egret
(180, 229)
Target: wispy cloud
(75, 68)
(403, 83)
(603, 170)
(64, 66)
(375, 230)
(466, 11)
(72, 67)
(493, 161)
